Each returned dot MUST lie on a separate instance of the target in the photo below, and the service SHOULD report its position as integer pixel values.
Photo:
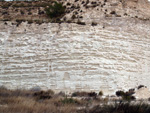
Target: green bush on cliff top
(56, 10)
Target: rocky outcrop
(74, 57)
(109, 52)
(77, 10)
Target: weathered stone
(112, 55)
(74, 57)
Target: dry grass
(29, 105)
(37, 101)
(25, 101)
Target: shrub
(84, 94)
(55, 10)
(73, 16)
(92, 94)
(80, 23)
(69, 101)
(119, 93)
(100, 93)
(94, 24)
(43, 95)
(22, 12)
(80, 94)
(140, 86)
(121, 108)
(6, 5)
(113, 12)
(19, 21)
(126, 95)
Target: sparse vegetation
(84, 94)
(38, 101)
(113, 12)
(141, 86)
(43, 95)
(94, 24)
(121, 108)
(25, 101)
(69, 101)
(6, 5)
(73, 16)
(80, 23)
(127, 96)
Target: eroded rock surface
(113, 54)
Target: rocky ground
(84, 10)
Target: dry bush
(84, 94)
(9, 93)
(43, 94)
(27, 105)
(121, 108)
(80, 94)
(23, 101)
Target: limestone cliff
(110, 52)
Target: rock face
(73, 57)
(142, 93)
(112, 54)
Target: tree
(55, 10)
